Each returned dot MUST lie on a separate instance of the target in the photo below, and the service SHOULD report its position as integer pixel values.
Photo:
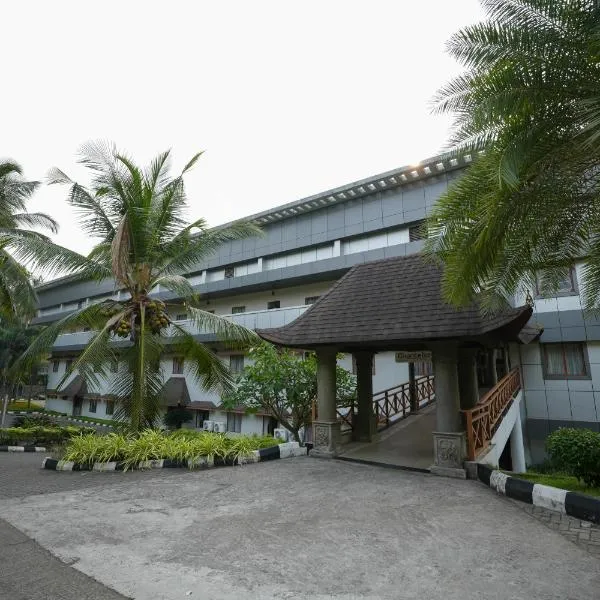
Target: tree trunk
(139, 376)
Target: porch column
(326, 429)
(467, 377)
(517, 447)
(364, 426)
(492, 373)
(449, 439)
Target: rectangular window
(236, 310)
(565, 361)
(423, 368)
(417, 231)
(311, 299)
(181, 317)
(55, 365)
(178, 363)
(229, 272)
(68, 364)
(236, 363)
(110, 407)
(234, 422)
(93, 406)
(201, 416)
(273, 304)
(567, 286)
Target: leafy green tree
(145, 241)
(20, 247)
(527, 109)
(284, 385)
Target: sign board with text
(423, 356)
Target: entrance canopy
(392, 304)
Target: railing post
(387, 409)
(412, 389)
(470, 436)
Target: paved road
(295, 528)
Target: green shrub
(37, 435)
(177, 417)
(577, 452)
(181, 445)
(41, 420)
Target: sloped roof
(391, 304)
(175, 391)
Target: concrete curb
(22, 449)
(544, 496)
(286, 450)
(72, 419)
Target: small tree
(283, 384)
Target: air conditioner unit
(208, 426)
(220, 427)
(281, 434)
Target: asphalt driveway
(294, 528)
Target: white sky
(287, 99)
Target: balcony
(258, 319)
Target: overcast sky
(287, 99)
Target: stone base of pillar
(326, 439)
(449, 449)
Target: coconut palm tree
(145, 242)
(527, 109)
(21, 247)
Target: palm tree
(19, 246)
(138, 214)
(527, 109)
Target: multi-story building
(307, 245)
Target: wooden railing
(483, 419)
(393, 404)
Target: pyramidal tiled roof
(391, 303)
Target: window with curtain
(567, 286)
(562, 361)
(234, 422)
(110, 407)
(236, 363)
(93, 405)
(178, 364)
(423, 368)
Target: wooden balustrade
(393, 404)
(483, 419)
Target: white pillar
(517, 447)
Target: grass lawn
(22, 405)
(559, 480)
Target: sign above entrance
(423, 356)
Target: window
(55, 365)
(567, 286)
(236, 310)
(229, 272)
(565, 361)
(311, 299)
(114, 366)
(181, 317)
(417, 231)
(93, 405)
(234, 422)
(178, 363)
(201, 416)
(273, 304)
(236, 363)
(423, 368)
(110, 407)
(68, 364)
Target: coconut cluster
(156, 318)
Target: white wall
(63, 406)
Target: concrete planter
(286, 450)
